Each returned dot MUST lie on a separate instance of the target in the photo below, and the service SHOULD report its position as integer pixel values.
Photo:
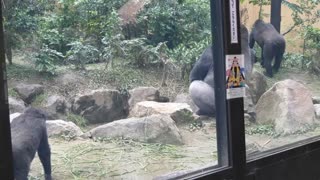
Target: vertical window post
(229, 112)
(6, 162)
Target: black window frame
(279, 163)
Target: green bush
(81, 54)
(47, 59)
(77, 119)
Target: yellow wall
(294, 40)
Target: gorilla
(29, 134)
(272, 45)
(201, 88)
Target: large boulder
(248, 102)
(16, 105)
(58, 128)
(186, 98)
(151, 129)
(100, 106)
(179, 112)
(28, 92)
(55, 106)
(288, 105)
(257, 86)
(143, 94)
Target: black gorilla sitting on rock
(29, 135)
(272, 45)
(201, 88)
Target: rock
(317, 110)
(13, 116)
(151, 129)
(185, 98)
(288, 105)
(28, 92)
(16, 105)
(55, 106)
(143, 94)
(248, 119)
(258, 85)
(248, 103)
(101, 106)
(63, 128)
(179, 112)
(316, 100)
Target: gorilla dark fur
(29, 135)
(201, 88)
(272, 45)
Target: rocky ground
(154, 137)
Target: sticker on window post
(235, 76)
(233, 21)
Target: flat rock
(151, 129)
(179, 112)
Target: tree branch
(290, 29)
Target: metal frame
(6, 160)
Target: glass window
(121, 83)
(282, 103)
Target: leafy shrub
(187, 55)
(80, 54)
(141, 53)
(292, 60)
(175, 22)
(77, 119)
(47, 59)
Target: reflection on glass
(113, 78)
(282, 104)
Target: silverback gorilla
(29, 134)
(272, 45)
(201, 88)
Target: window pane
(282, 103)
(113, 79)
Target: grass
(77, 119)
(40, 100)
(13, 93)
(118, 158)
(266, 129)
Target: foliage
(47, 59)
(81, 53)
(312, 35)
(142, 54)
(187, 55)
(260, 3)
(312, 49)
(304, 12)
(39, 100)
(78, 120)
(112, 40)
(292, 60)
(175, 22)
(267, 129)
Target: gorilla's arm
(202, 66)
